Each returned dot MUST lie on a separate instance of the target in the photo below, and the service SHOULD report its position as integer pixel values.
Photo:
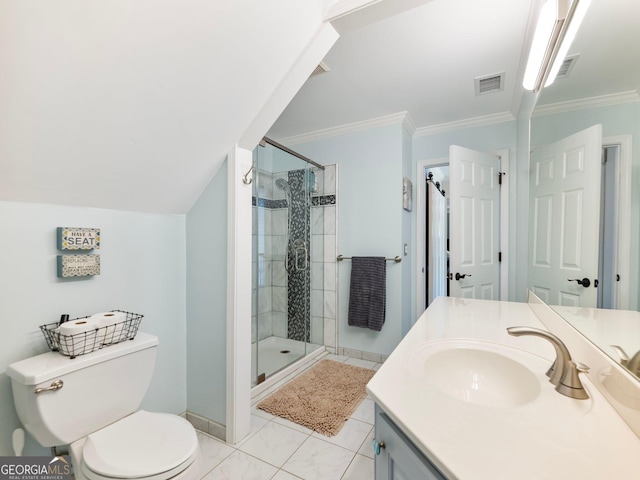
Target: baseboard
(208, 426)
(361, 354)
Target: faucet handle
(624, 358)
(581, 367)
(570, 385)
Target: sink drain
(285, 351)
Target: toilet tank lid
(50, 365)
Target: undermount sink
(479, 373)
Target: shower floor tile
(270, 356)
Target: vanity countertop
(551, 437)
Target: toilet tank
(98, 389)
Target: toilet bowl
(94, 409)
(144, 445)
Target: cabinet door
(400, 459)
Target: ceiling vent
(489, 84)
(567, 66)
(320, 69)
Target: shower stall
(287, 313)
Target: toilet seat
(144, 445)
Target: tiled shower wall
(273, 286)
(324, 223)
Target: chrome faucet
(633, 364)
(564, 371)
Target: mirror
(615, 332)
(600, 87)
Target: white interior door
(564, 219)
(474, 224)
(437, 241)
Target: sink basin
(480, 373)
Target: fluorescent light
(557, 26)
(544, 29)
(576, 20)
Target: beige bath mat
(323, 398)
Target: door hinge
(499, 256)
(500, 174)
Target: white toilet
(94, 411)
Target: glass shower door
(281, 261)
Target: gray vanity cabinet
(398, 458)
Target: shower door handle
(301, 246)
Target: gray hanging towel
(368, 292)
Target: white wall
(207, 301)
(370, 166)
(142, 270)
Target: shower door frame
(294, 180)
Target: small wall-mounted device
(407, 194)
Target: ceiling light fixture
(557, 26)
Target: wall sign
(78, 265)
(78, 238)
(71, 238)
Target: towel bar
(396, 259)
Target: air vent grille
(489, 84)
(567, 66)
(320, 69)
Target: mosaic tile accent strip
(323, 200)
(316, 201)
(268, 203)
(299, 289)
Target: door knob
(459, 276)
(585, 282)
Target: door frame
(421, 229)
(623, 207)
(421, 165)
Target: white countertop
(551, 438)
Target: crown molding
(405, 119)
(401, 118)
(585, 103)
(408, 124)
(466, 123)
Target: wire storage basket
(93, 339)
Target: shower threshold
(278, 357)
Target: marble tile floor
(277, 449)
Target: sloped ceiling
(133, 105)
(422, 61)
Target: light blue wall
(370, 221)
(408, 238)
(142, 270)
(484, 138)
(206, 228)
(615, 120)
